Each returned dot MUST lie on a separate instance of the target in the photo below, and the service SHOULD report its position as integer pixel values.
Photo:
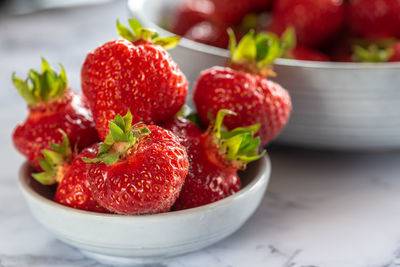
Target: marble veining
(322, 209)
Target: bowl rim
(264, 173)
(136, 8)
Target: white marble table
(322, 209)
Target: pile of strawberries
(322, 30)
(127, 146)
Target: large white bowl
(335, 105)
(123, 239)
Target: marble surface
(322, 209)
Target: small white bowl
(335, 105)
(119, 239)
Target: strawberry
(290, 50)
(190, 13)
(139, 169)
(242, 88)
(374, 18)
(214, 158)
(315, 22)
(62, 166)
(228, 12)
(208, 33)
(52, 106)
(136, 74)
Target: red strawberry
(139, 169)
(242, 90)
(228, 12)
(52, 106)
(314, 21)
(374, 18)
(208, 33)
(70, 172)
(190, 13)
(214, 158)
(136, 75)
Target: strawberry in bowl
(214, 156)
(136, 74)
(52, 106)
(241, 87)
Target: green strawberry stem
(254, 53)
(376, 50)
(238, 146)
(122, 137)
(288, 42)
(372, 53)
(137, 32)
(54, 162)
(41, 87)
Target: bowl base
(121, 261)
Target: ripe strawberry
(228, 12)
(214, 158)
(315, 22)
(243, 89)
(290, 49)
(136, 75)
(374, 18)
(52, 106)
(208, 33)
(62, 166)
(190, 13)
(139, 169)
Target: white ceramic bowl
(335, 105)
(123, 239)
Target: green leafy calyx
(288, 42)
(238, 146)
(122, 137)
(372, 53)
(53, 162)
(255, 52)
(137, 32)
(41, 87)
